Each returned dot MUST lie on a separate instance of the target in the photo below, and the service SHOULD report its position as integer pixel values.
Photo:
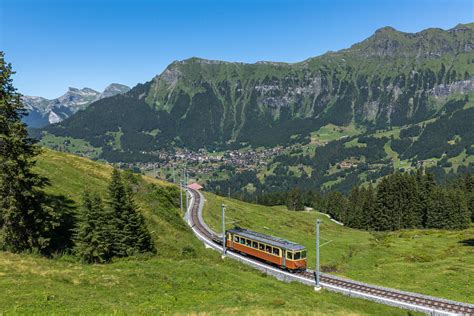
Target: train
(279, 252)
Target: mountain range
(420, 85)
(42, 111)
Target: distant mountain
(43, 112)
(390, 79)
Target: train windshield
(303, 254)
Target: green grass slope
(434, 262)
(182, 278)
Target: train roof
(271, 240)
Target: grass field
(332, 132)
(434, 262)
(182, 278)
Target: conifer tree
(129, 227)
(426, 184)
(466, 183)
(448, 209)
(336, 205)
(356, 201)
(26, 222)
(295, 200)
(383, 216)
(368, 207)
(94, 242)
(118, 203)
(138, 236)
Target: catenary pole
(317, 286)
(223, 231)
(186, 188)
(181, 192)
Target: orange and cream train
(282, 253)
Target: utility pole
(317, 286)
(185, 187)
(223, 231)
(180, 193)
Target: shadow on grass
(467, 242)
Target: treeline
(33, 221)
(400, 201)
(404, 200)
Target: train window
(255, 244)
(297, 255)
(236, 238)
(303, 254)
(276, 251)
(289, 255)
(261, 246)
(249, 243)
(242, 241)
(268, 249)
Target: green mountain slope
(390, 79)
(393, 101)
(183, 277)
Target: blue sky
(56, 44)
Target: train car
(282, 253)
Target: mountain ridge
(199, 103)
(43, 111)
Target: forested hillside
(444, 146)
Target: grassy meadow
(182, 278)
(434, 262)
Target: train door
(283, 256)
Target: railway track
(413, 301)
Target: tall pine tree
(117, 203)
(130, 231)
(138, 238)
(26, 222)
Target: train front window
(303, 254)
(289, 255)
(297, 255)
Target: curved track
(413, 301)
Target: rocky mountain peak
(386, 30)
(44, 111)
(114, 89)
